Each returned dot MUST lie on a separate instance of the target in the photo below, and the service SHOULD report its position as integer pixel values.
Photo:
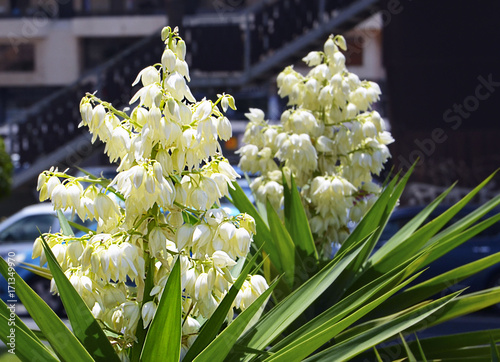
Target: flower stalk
(163, 205)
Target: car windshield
(27, 228)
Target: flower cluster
(329, 140)
(162, 205)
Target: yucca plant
(368, 300)
(197, 294)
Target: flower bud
(148, 312)
(222, 260)
(227, 231)
(180, 49)
(183, 236)
(190, 326)
(168, 60)
(330, 48)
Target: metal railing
(238, 49)
(274, 33)
(35, 135)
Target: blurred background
(438, 65)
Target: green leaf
(495, 357)
(370, 224)
(163, 340)
(212, 327)
(80, 227)
(280, 317)
(306, 344)
(409, 353)
(408, 229)
(460, 306)
(66, 229)
(420, 349)
(466, 304)
(262, 237)
(281, 238)
(372, 218)
(441, 246)
(83, 323)
(221, 346)
(466, 221)
(296, 221)
(424, 235)
(9, 313)
(381, 332)
(24, 346)
(381, 220)
(62, 340)
(433, 286)
(377, 355)
(348, 305)
(141, 331)
(38, 270)
(460, 345)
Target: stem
(108, 106)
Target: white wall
(56, 43)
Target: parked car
(480, 246)
(17, 234)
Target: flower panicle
(162, 205)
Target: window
(4, 7)
(354, 54)
(97, 50)
(27, 228)
(20, 57)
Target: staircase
(223, 51)
(275, 34)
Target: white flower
(157, 241)
(201, 235)
(182, 67)
(148, 76)
(159, 206)
(255, 115)
(148, 312)
(176, 85)
(59, 197)
(184, 236)
(222, 260)
(241, 242)
(224, 129)
(330, 48)
(168, 59)
(202, 287)
(190, 326)
(149, 95)
(313, 58)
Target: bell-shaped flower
(182, 67)
(184, 236)
(313, 58)
(202, 234)
(222, 260)
(148, 76)
(190, 326)
(202, 288)
(168, 60)
(148, 312)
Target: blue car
(17, 234)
